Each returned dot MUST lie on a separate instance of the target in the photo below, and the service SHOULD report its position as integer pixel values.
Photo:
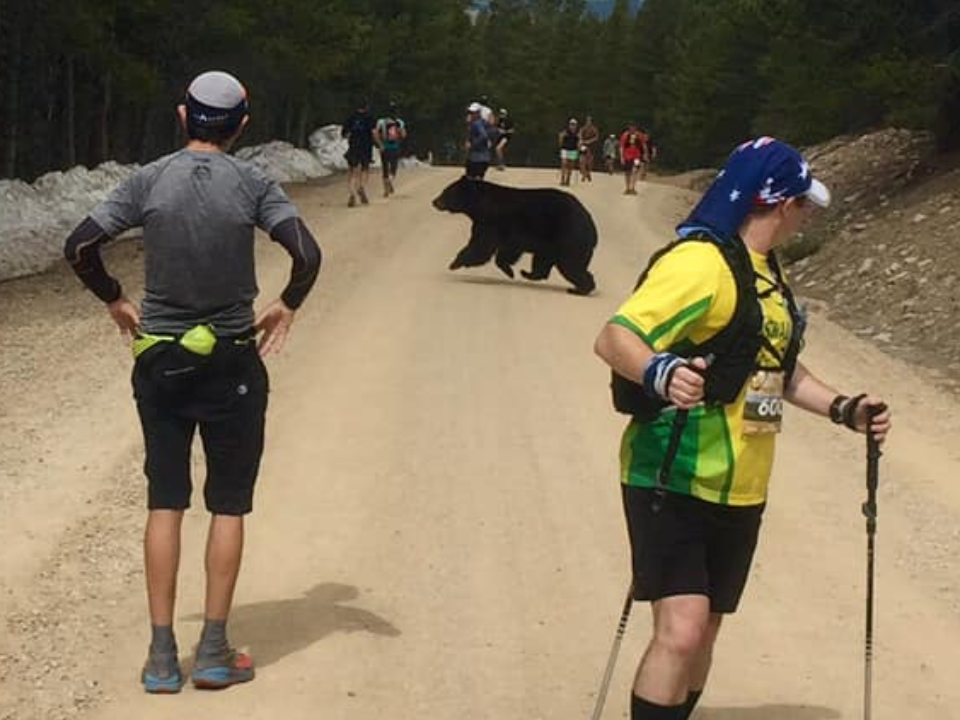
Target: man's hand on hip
(274, 322)
(126, 315)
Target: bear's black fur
(508, 222)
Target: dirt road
(438, 531)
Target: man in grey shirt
(195, 340)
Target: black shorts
(359, 157)
(390, 161)
(690, 547)
(225, 396)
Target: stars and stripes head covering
(760, 172)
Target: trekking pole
(870, 513)
(663, 480)
(614, 652)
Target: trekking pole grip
(873, 467)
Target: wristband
(658, 373)
(850, 411)
(836, 409)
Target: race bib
(763, 408)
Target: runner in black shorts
(705, 354)
(359, 131)
(197, 366)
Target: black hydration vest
(734, 349)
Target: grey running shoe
(352, 201)
(363, 196)
(220, 673)
(161, 674)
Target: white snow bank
(285, 163)
(329, 147)
(36, 218)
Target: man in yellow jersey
(704, 355)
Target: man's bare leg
(224, 550)
(217, 665)
(677, 657)
(161, 551)
(161, 555)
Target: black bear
(508, 222)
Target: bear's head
(460, 196)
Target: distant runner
(633, 150)
(390, 133)
(611, 149)
(506, 130)
(358, 129)
(477, 144)
(589, 138)
(569, 142)
(197, 364)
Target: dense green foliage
(82, 81)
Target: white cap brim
(819, 193)
(473, 107)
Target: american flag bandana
(764, 171)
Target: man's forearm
(809, 392)
(296, 239)
(82, 251)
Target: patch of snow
(36, 218)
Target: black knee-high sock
(641, 709)
(692, 697)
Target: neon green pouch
(199, 340)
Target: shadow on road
(768, 712)
(276, 628)
(517, 282)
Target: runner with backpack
(390, 133)
(704, 356)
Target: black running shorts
(359, 157)
(690, 547)
(225, 397)
(389, 162)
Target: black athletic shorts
(476, 170)
(359, 157)
(225, 396)
(390, 161)
(690, 547)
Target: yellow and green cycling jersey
(688, 296)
